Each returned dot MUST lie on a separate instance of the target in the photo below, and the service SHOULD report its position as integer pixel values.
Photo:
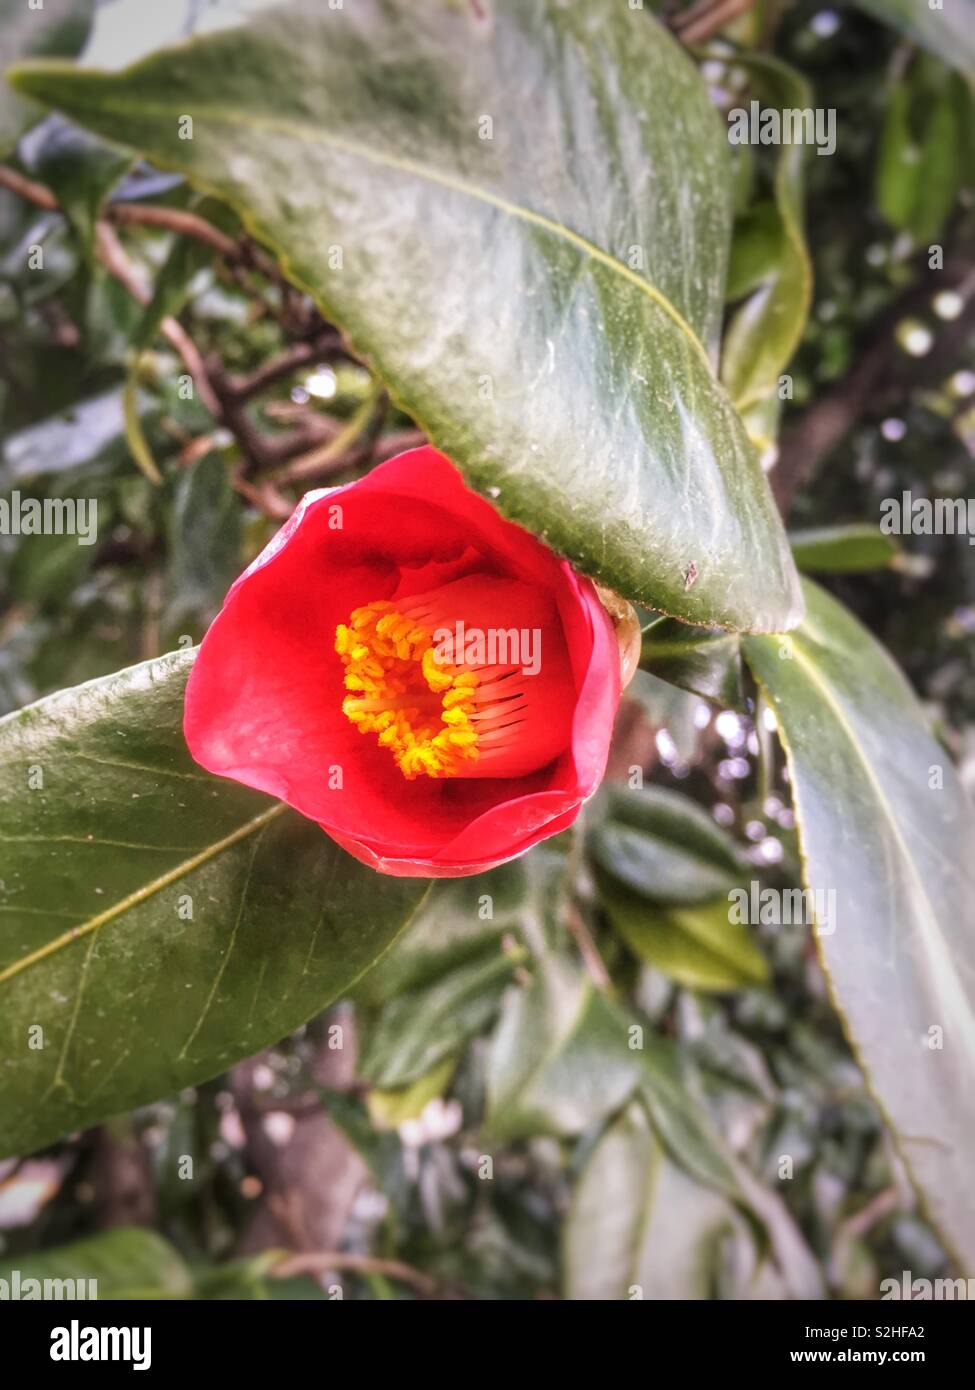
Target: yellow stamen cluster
(419, 707)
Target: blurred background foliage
(397, 1146)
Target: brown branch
(112, 255)
(352, 445)
(321, 348)
(29, 190)
(588, 950)
(322, 1262)
(397, 442)
(124, 214)
(701, 22)
(886, 1202)
(264, 496)
(178, 338)
(174, 220)
(264, 454)
(223, 394)
(878, 377)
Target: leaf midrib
(140, 895)
(310, 135)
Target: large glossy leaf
(111, 993)
(522, 218)
(56, 27)
(885, 825)
(947, 30)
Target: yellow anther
(416, 707)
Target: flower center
(420, 707)
(451, 695)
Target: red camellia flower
(424, 679)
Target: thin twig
(264, 496)
(317, 349)
(321, 1263)
(263, 454)
(588, 950)
(174, 220)
(397, 442)
(697, 24)
(28, 189)
(178, 338)
(222, 394)
(877, 374)
(352, 443)
(112, 255)
(886, 1202)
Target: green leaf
(559, 1060)
(390, 1109)
(637, 1226)
(111, 836)
(461, 920)
(679, 1116)
(885, 826)
(236, 1279)
(765, 330)
(671, 1092)
(134, 434)
(696, 946)
(172, 287)
(923, 151)
(947, 32)
(547, 309)
(705, 661)
(604, 1234)
(127, 1263)
(899, 175)
(80, 170)
(419, 1030)
(131, 1263)
(663, 846)
(204, 529)
(756, 249)
(87, 430)
(842, 549)
(58, 28)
